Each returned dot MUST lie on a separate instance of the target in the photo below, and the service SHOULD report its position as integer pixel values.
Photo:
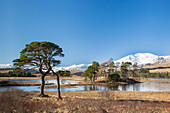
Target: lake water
(145, 86)
(62, 81)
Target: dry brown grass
(120, 95)
(74, 77)
(157, 65)
(164, 66)
(4, 71)
(13, 83)
(21, 78)
(160, 70)
(30, 78)
(109, 101)
(144, 80)
(61, 86)
(82, 102)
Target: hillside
(146, 60)
(4, 66)
(162, 66)
(142, 58)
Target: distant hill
(161, 66)
(142, 59)
(4, 66)
(74, 68)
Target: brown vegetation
(13, 83)
(156, 68)
(84, 102)
(4, 71)
(160, 70)
(145, 80)
(30, 78)
(18, 101)
(120, 95)
(74, 77)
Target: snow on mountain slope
(139, 58)
(80, 67)
(142, 58)
(3, 66)
(162, 63)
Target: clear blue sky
(87, 30)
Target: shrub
(85, 79)
(13, 100)
(114, 77)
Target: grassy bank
(13, 83)
(146, 80)
(74, 77)
(85, 102)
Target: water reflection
(62, 81)
(157, 78)
(22, 80)
(145, 86)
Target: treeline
(17, 74)
(6, 69)
(146, 74)
(115, 71)
(107, 69)
(155, 75)
(28, 74)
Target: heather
(18, 101)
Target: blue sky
(87, 30)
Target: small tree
(114, 77)
(58, 74)
(95, 67)
(89, 73)
(117, 65)
(134, 71)
(111, 67)
(92, 70)
(124, 69)
(41, 56)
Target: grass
(13, 83)
(80, 102)
(73, 77)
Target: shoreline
(154, 80)
(114, 95)
(74, 77)
(4, 83)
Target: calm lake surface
(145, 86)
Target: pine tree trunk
(93, 78)
(58, 88)
(42, 85)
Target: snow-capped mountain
(3, 66)
(142, 58)
(80, 67)
(161, 63)
(73, 68)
